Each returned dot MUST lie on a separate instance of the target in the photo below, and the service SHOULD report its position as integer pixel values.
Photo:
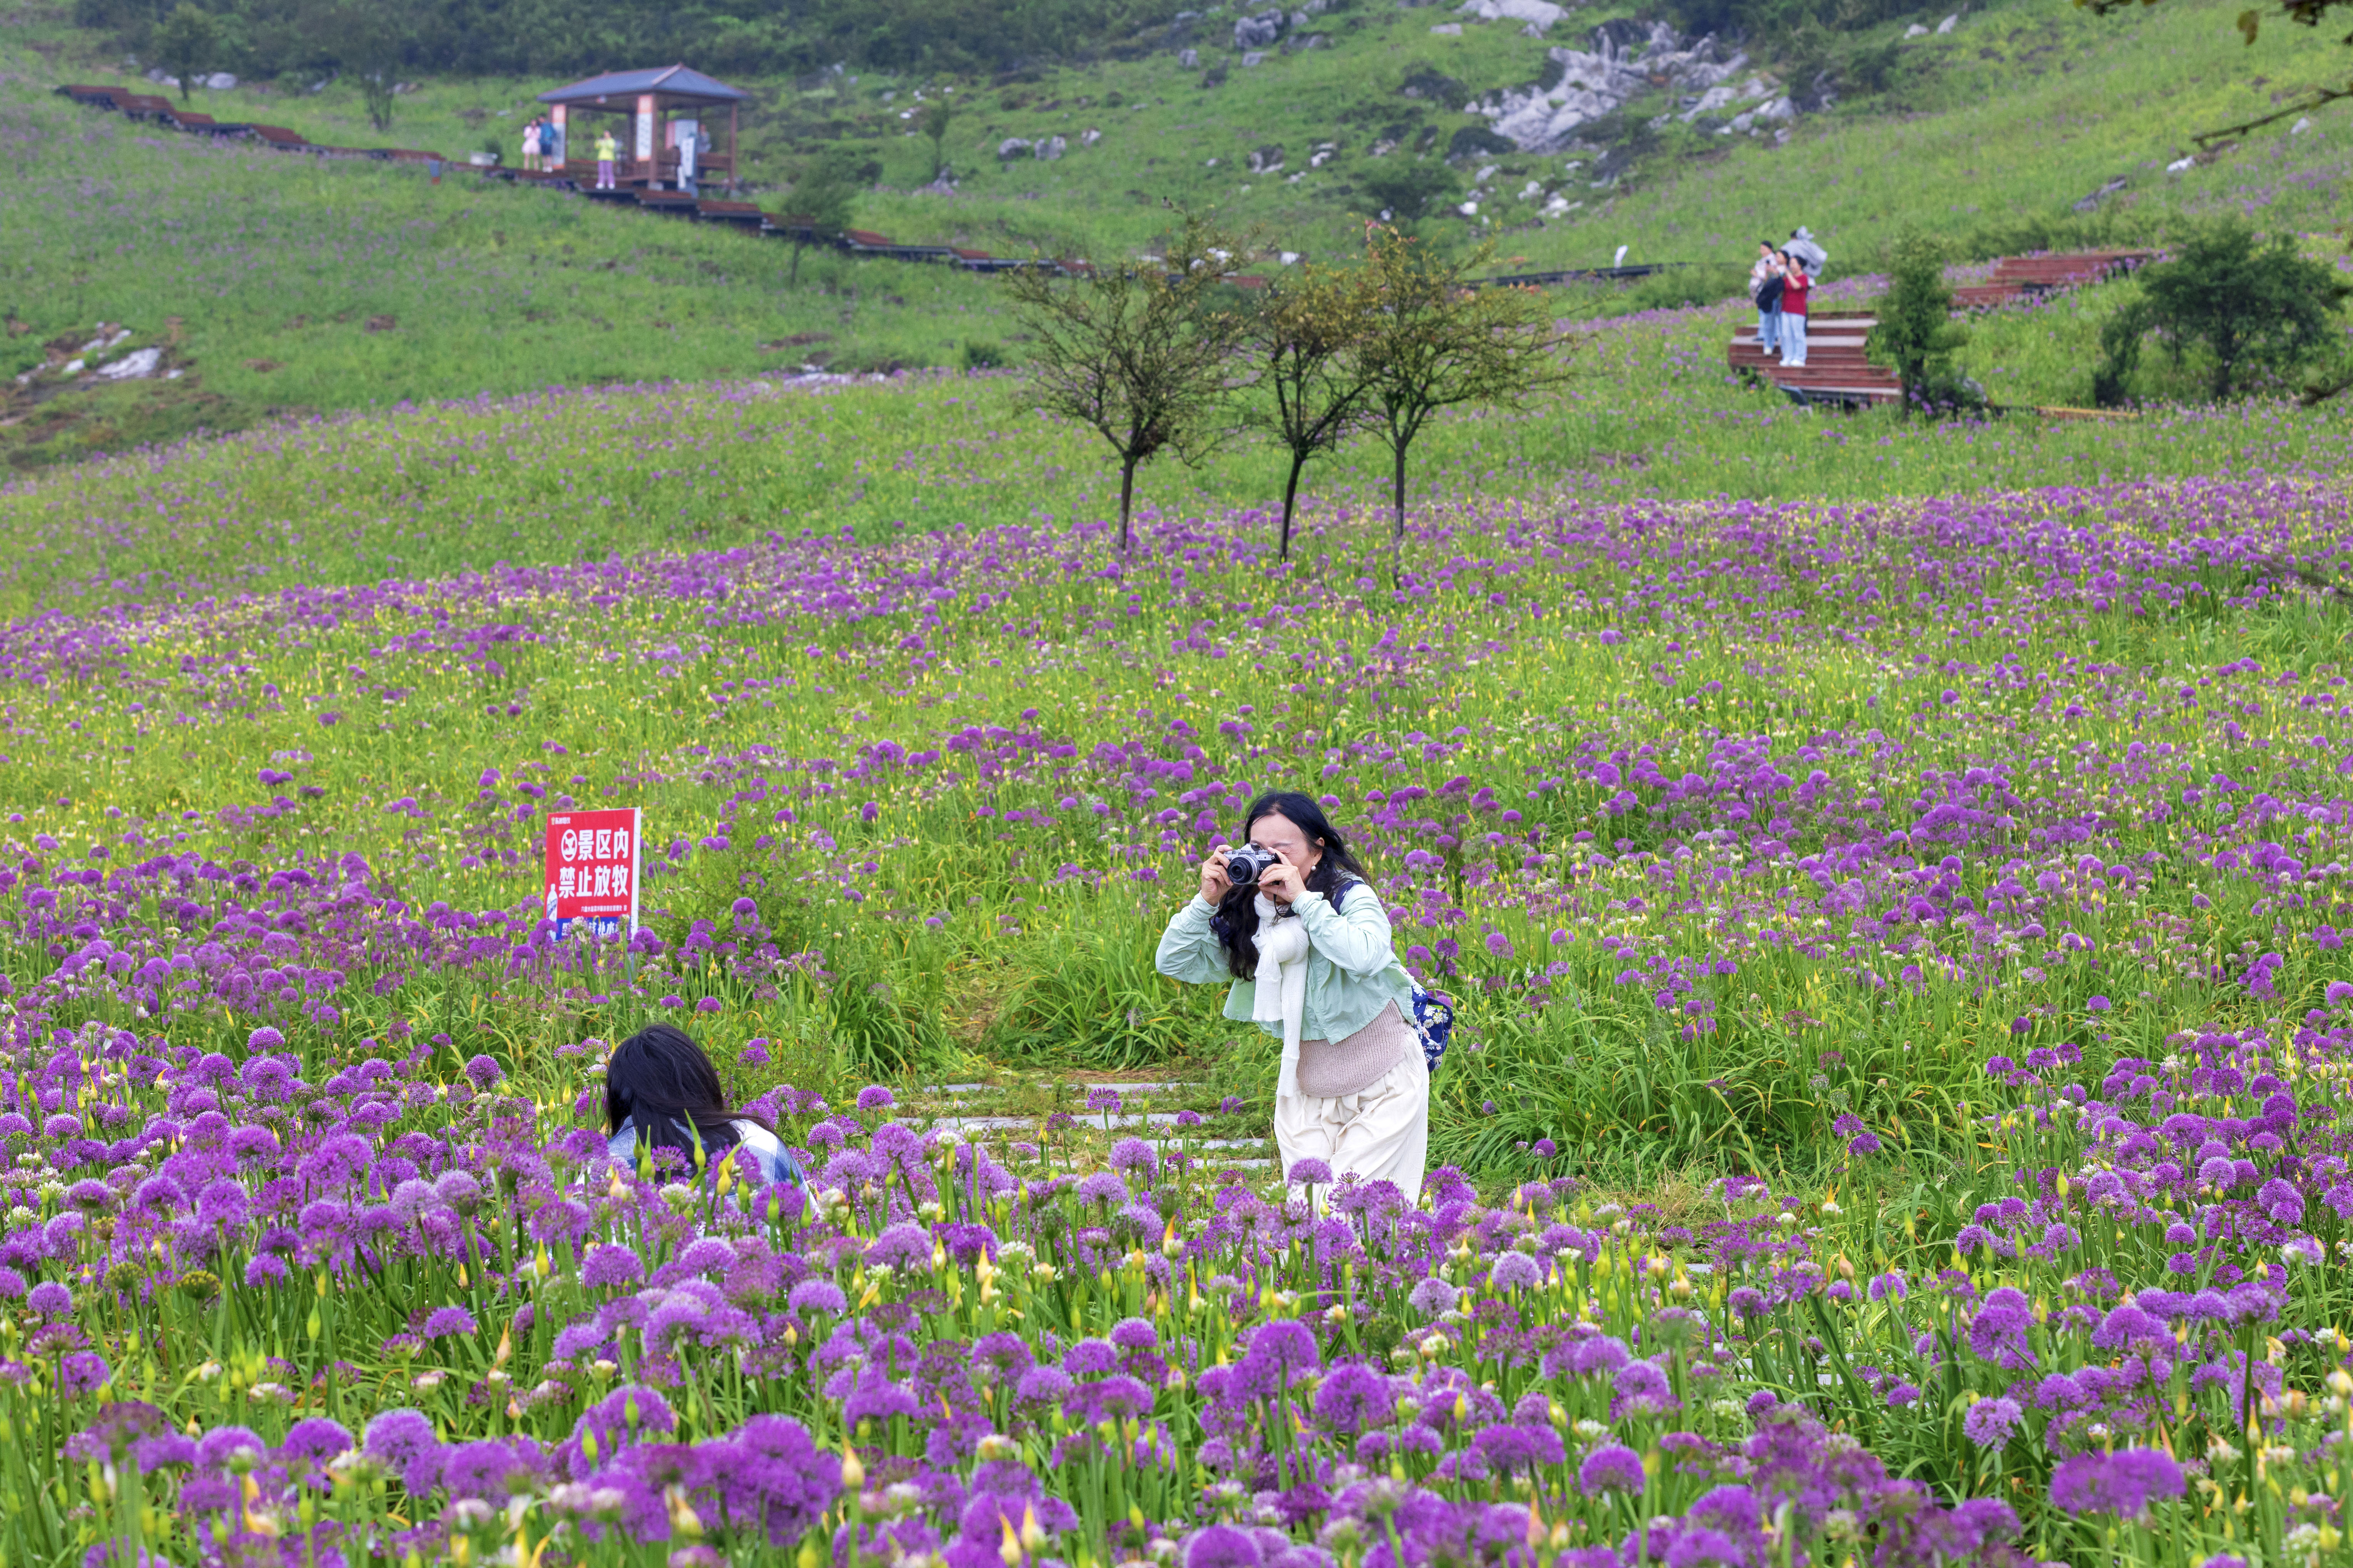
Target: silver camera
(1245, 864)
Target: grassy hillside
(278, 285)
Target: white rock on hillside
(1539, 14)
(1595, 82)
(1258, 32)
(1949, 23)
(136, 365)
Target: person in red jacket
(1796, 284)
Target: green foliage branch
(1915, 335)
(1137, 354)
(1309, 388)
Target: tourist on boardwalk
(1764, 288)
(1291, 921)
(661, 1092)
(531, 145)
(607, 150)
(1796, 284)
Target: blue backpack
(1433, 1011)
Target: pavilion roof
(669, 81)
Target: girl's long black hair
(659, 1081)
(1236, 921)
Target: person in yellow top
(607, 150)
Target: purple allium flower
(708, 1005)
(1310, 1172)
(905, 1246)
(817, 1295)
(1431, 1297)
(1221, 1546)
(1642, 1388)
(1516, 1271)
(50, 1299)
(398, 1436)
(1353, 1398)
(1102, 1187)
(1612, 1467)
(1136, 1157)
(2122, 1483)
(484, 1072)
(82, 1371)
(610, 1265)
(874, 1097)
(1135, 1334)
(1990, 1422)
(230, 1448)
(447, 1321)
(315, 1437)
(1902, 1395)
(265, 1038)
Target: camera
(1245, 864)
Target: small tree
(1137, 354)
(186, 42)
(933, 123)
(1432, 342)
(2254, 307)
(1311, 389)
(1916, 335)
(820, 200)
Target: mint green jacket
(1352, 968)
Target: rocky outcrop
(1627, 60)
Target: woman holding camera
(1291, 921)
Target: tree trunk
(1289, 494)
(793, 276)
(1127, 500)
(1396, 531)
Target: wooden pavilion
(646, 100)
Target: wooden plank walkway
(1836, 370)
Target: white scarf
(1279, 995)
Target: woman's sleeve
(1188, 948)
(1356, 936)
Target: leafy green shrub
(1916, 336)
(981, 354)
(2120, 343)
(2254, 309)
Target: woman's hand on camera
(1214, 883)
(1281, 882)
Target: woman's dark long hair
(1236, 921)
(659, 1081)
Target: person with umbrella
(1796, 283)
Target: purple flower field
(1894, 1119)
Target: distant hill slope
(273, 266)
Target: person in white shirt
(661, 1092)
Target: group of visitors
(1780, 283)
(543, 146)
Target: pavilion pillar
(734, 156)
(648, 163)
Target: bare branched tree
(1433, 342)
(1308, 388)
(1135, 351)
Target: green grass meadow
(286, 287)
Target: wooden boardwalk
(2017, 279)
(1837, 370)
